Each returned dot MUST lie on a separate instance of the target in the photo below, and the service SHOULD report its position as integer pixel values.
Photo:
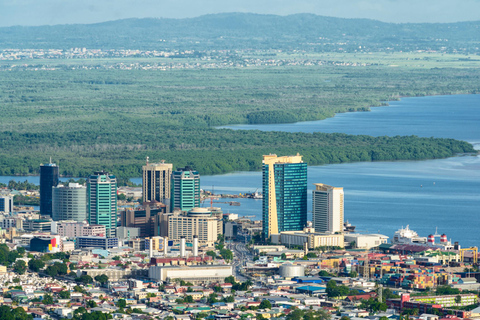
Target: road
(242, 255)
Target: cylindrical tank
(431, 238)
(195, 246)
(443, 238)
(182, 247)
(289, 270)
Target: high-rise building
(185, 189)
(48, 179)
(284, 194)
(102, 201)
(69, 202)
(327, 213)
(198, 222)
(156, 181)
(6, 204)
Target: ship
(348, 228)
(408, 236)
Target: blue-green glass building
(102, 201)
(185, 193)
(284, 194)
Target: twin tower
(285, 198)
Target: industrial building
(69, 202)
(102, 201)
(327, 208)
(194, 274)
(284, 194)
(156, 181)
(185, 193)
(49, 178)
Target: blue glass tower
(284, 194)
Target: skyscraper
(185, 189)
(102, 201)
(156, 181)
(284, 194)
(327, 210)
(69, 202)
(48, 179)
(6, 204)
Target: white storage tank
(289, 270)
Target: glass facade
(102, 201)
(185, 189)
(49, 178)
(290, 193)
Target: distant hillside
(249, 31)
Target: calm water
(384, 196)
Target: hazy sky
(40, 12)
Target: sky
(51, 12)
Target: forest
(88, 120)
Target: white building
(197, 273)
(327, 210)
(6, 204)
(365, 241)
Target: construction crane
(474, 251)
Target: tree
(265, 304)
(52, 271)
(102, 278)
(230, 279)
(35, 264)
(21, 250)
(188, 299)
(283, 256)
(91, 304)
(84, 278)
(458, 299)
(353, 274)
(20, 267)
(121, 303)
(64, 294)
(211, 254)
(47, 299)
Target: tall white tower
(327, 209)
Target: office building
(45, 244)
(327, 211)
(102, 201)
(97, 242)
(69, 202)
(48, 179)
(198, 221)
(185, 193)
(6, 204)
(156, 181)
(284, 194)
(73, 229)
(310, 237)
(146, 218)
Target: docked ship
(408, 236)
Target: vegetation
(8, 257)
(85, 119)
(8, 313)
(307, 32)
